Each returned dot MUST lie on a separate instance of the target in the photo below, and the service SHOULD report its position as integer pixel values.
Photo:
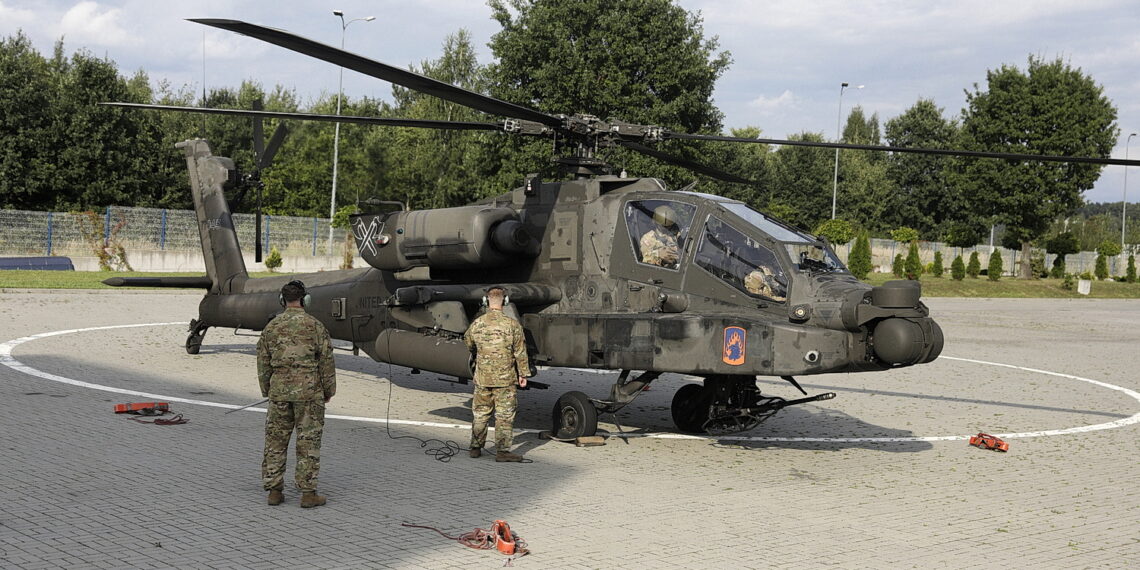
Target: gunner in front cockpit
(761, 282)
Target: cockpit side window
(741, 261)
(658, 230)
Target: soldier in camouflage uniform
(659, 245)
(501, 363)
(296, 372)
(759, 282)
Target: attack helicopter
(723, 291)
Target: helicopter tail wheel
(691, 408)
(574, 416)
(194, 339)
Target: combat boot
(276, 497)
(475, 452)
(508, 457)
(311, 499)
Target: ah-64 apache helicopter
(603, 272)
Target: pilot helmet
(665, 217)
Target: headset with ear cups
(306, 298)
(506, 297)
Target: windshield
(777, 230)
(814, 258)
(741, 261)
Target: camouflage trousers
(503, 401)
(308, 419)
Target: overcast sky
(789, 56)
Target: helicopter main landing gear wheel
(574, 416)
(728, 404)
(691, 408)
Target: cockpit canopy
(745, 249)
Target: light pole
(838, 135)
(336, 131)
(1124, 199)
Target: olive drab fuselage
(579, 288)
(746, 296)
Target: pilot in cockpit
(760, 281)
(659, 245)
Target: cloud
(15, 17)
(767, 106)
(89, 23)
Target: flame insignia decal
(734, 348)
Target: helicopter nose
(907, 341)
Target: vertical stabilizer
(209, 176)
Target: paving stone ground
(81, 487)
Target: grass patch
(1010, 288)
(931, 286)
(34, 279)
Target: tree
(798, 177)
(273, 261)
(861, 129)
(643, 61)
(1061, 245)
(994, 271)
(865, 191)
(1105, 250)
(1131, 275)
(1101, 268)
(913, 265)
(898, 266)
(838, 232)
(937, 268)
(859, 260)
(974, 268)
(26, 81)
(904, 234)
(1050, 109)
(923, 198)
(442, 168)
(958, 269)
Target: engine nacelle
(449, 238)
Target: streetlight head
(860, 86)
(844, 84)
(370, 18)
(338, 13)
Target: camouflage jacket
(294, 359)
(500, 349)
(659, 247)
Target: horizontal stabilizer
(202, 282)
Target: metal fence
(152, 229)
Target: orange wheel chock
(504, 540)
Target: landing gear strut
(576, 415)
(194, 339)
(728, 404)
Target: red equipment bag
(143, 408)
(987, 441)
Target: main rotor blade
(389, 122)
(273, 146)
(936, 151)
(258, 135)
(684, 162)
(373, 68)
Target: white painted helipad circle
(7, 360)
